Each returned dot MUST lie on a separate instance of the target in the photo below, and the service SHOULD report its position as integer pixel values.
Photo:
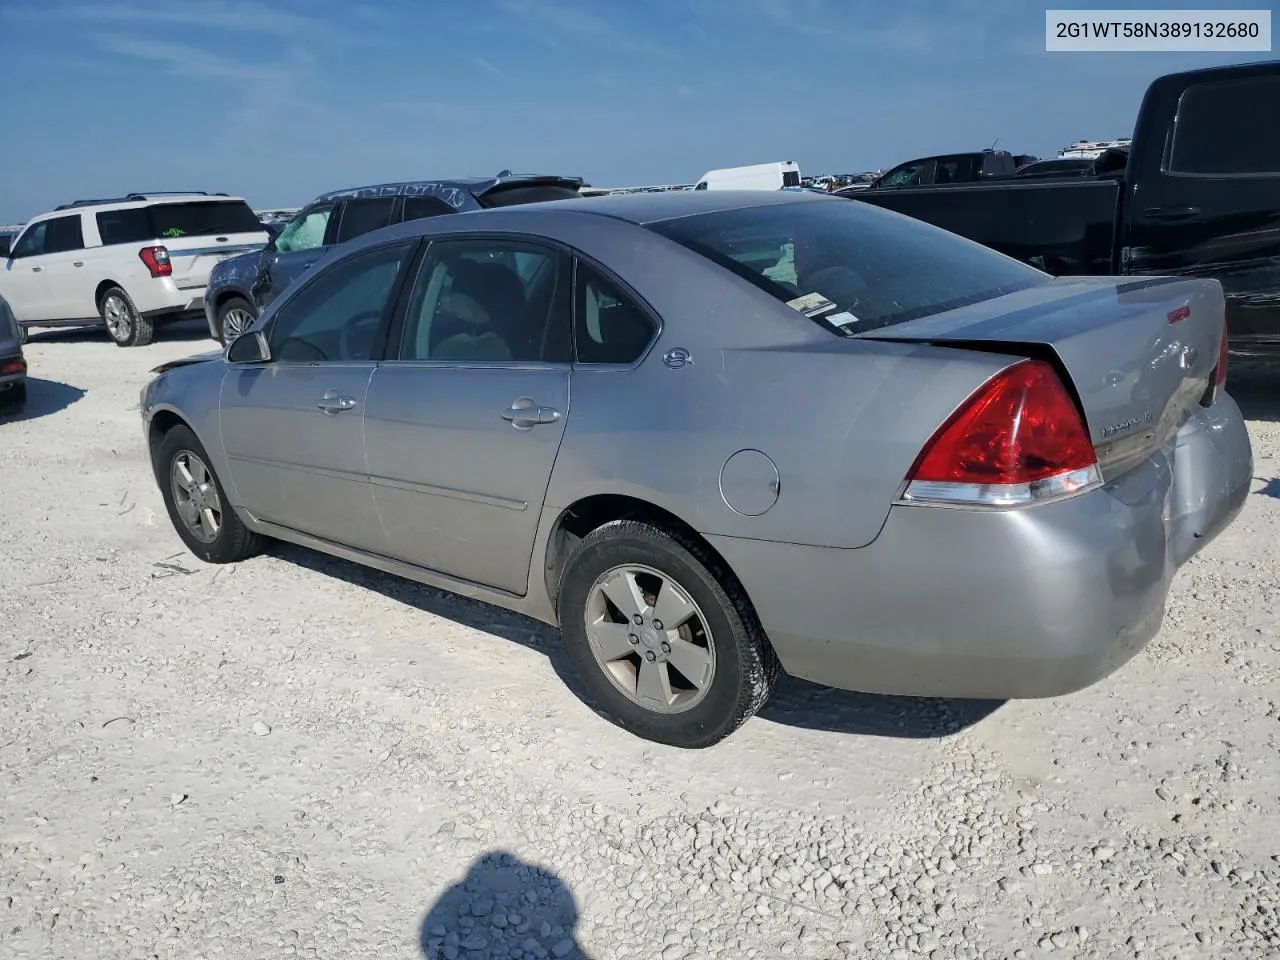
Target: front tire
(125, 326)
(234, 318)
(663, 637)
(197, 503)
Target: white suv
(128, 263)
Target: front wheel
(197, 504)
(125, 326)
(663, 637)
(234, 318)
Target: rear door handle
(332, 402)
(78, 263)
(1173, 211)
(525, 412)
(36, 269)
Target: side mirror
(249, 347)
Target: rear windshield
(534, 193)
(848, 265)
(204, 218)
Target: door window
(419, 208)
(305, 231)
(63, 235)
(364, 216)
(488, 300)
(907, 175)
(336, 316)
(609, 327)
(31, 243)
(1220, 129)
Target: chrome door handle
(36, 269)
(525, 413)
(78, 263)
(333, 403)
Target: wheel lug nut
(650, 656)
(657, 624)
(638, 619)
(634, 639)
(666, 647)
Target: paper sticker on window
(842, 319)
(811, 304)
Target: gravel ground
(297, 757)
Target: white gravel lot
(297, 757)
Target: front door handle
(36, 269)
(78, 263)
(1173, 211)
(332, 402)
(525, 413)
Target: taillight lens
(1018, 439)
(10, 367)
(157, 261)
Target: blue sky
(279, 100)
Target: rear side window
(850, 266)
(609, 327)
(124, 226)
(419, 208)
(510, 196)
(364, 216)
(206, 218)
(1228, 127)
(63, 234)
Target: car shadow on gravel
(194, 329)
(501, 905)
(1255, 385)
(795, 703)
(44, 397)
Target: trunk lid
(1138, 354)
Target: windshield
(848, 265)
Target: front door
(464, 422)
(293, 427)
(302, 241)
(22, 283)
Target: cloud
(561, 22)
(185, 60)
(484, 64)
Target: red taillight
(1018, 439)
(10, 367)
(157, 261)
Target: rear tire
(125, 326)
(197, 504)
(234, 317)
(722, 668)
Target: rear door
(464, 422)
(202, 233)
(1206, 198)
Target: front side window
(850, 266)
(305, 231)
(336, 316)
(31, 243)
(609, 327)
(63, 235)
(907, 175)
(488, 300)
(1227, 128)
(364, 216)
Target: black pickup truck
(1198, 195)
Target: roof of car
(476, 186)
(131, 200)
(652, 207)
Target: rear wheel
(234, 318)
(197, 504)
(125, 326)
(663, 637)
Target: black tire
(746, 667)
(235, 303)
(234, 541)
(128, 328)
(13, 399)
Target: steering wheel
(357, 329)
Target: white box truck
(760, 176)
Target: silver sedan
(718, 436)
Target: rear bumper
(163, 295)
(1017, 604)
